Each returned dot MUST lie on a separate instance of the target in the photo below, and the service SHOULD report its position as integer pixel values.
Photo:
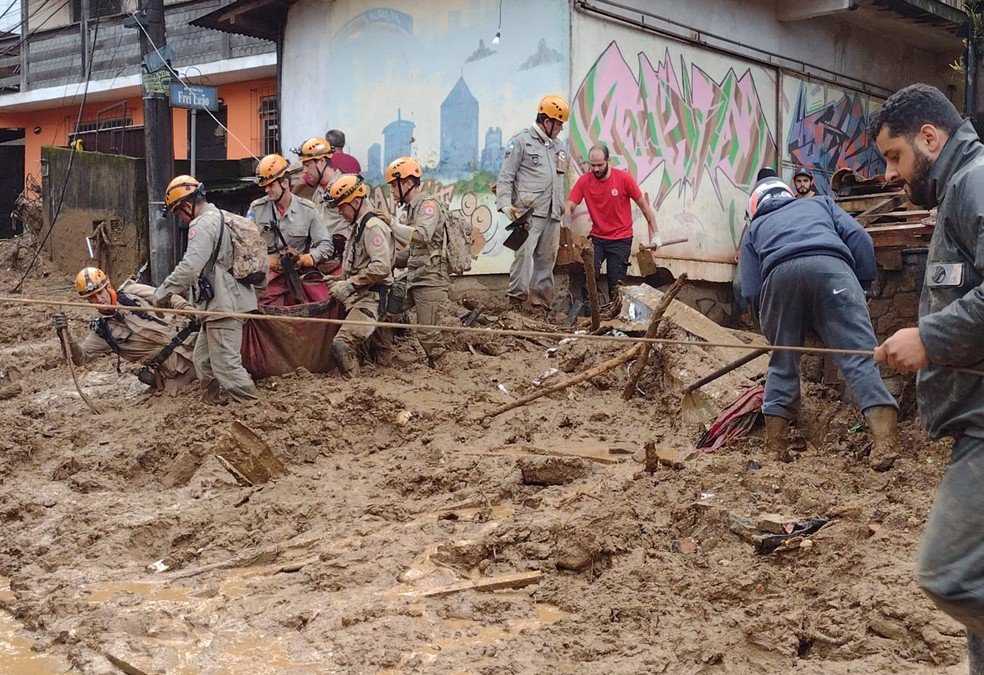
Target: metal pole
(159, 149)
(194, 139)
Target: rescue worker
(288, 223)
(803, 183)
(205, 270)
(423, 232)
(161, 343)
(315, 155)
(367, 269)
(940, 158)
(532, 175)
(802, 265)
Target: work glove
(512, 213)
(380, 213)
(656, 241)
(342, 290)
(274, 260)
(305, 260)
(59, 320)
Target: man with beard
(803, 263)
(941, 160)
(803, 182)
(607, 192)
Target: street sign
(194, 96)
(156, 82)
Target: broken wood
(587, 261)
(610, 364)
(497, 583)
(247, 456)
(640, 364)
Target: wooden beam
(497, 583)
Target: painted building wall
(693, 127)
(424, 76)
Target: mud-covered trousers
(218, 359)
(819, 292)
(531, 273)
(950, 567)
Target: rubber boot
(883, 421)
(776, 437)
(347, 362)
(975, 652)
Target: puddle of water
(152, 591)
(16, 655)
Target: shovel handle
(670, 242)
(724, 370)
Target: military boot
(345, 359)
(776, 437)
(883, 421)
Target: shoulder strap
(125, 299)
(218, 244)
(100, 327)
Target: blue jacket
(802, 227)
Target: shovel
(695, 411)
(519, 232)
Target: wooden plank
(497, 583)
(860, 203)
(882, 206)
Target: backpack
(457, 240)
(249, 250)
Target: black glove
(59, 320)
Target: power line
(26, 21)
(185, 85)
(71, 162)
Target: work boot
(345, 359)
(776, 437)
(883, 421)
(516, 304)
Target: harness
(100, 326)
(382, 290)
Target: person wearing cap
(315, 155)
(205, 269)
(162, 343)
(803, 183)
(803, 263)
(288, 223)
(532, 175)
(367, 269)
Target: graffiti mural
(693, 128)
(424, 79)
(827, 129)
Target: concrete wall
(102, 187)
(392, 76)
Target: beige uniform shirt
(141, 338)
(424, 221)
(369, 254)
(203, 235)
(301, 226)
(532, 174)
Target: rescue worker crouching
(367, 269)
(315, 155)
(424, 234)
(163, 344)
(206, 267)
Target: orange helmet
(271, 168)
(765, 190)
(554, 107)
(403, 167)
(344, 189)
(180, 189)
(314, 148)
(90, 280)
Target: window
(97, 8)
(269, 125)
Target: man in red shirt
(342, 161)
(607, 192)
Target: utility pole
(158, 143)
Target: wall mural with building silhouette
(826, 129)
(425, 80)
(692, 126)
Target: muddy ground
(323, 569)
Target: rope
(508, 332)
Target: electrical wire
(17, 45)
(177, 75)
(71, 162)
